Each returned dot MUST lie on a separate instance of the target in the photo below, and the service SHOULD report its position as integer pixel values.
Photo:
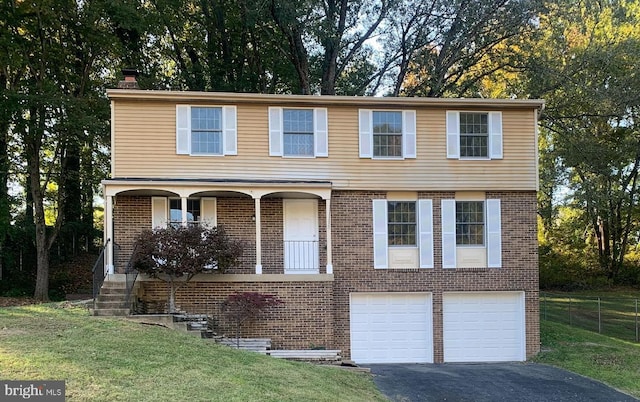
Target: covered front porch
(285, 226)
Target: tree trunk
(44, 241)
(172, 297)
(42, 249)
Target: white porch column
(108, 235)
(258, 237)
(183, 206)
(327, 212)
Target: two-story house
(394, 229)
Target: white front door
(301, 236)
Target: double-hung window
(402, 223)
(387, 134)
(206, 130)
(471, 233)
(169, 211)
(470, 223)
(474, 135)
(402, 234)
(298, 132)
(175, 211)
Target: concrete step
(113, 290)
(111, 296)
(113, 287)
(106, 312)
(196, 325)
(109, 304)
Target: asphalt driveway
(493, 382)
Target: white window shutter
(495, 135)
(366, 133)
(230, 130)
(453, 135)
(159, 211)
(380, 242)
(448, 233)
(183, 129)
(275, 131)
(208, 212)
(321, 132)
(425, 221)
(494, 234)
(409, 133)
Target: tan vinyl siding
(144, 147)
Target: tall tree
(445, 48)
(59, 43)
(585, 64)
(327, 38)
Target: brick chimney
(129, 82)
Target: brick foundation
(302, 321)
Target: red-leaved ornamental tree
(243, 307)
(177, 254)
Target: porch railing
(131, 274)
(301, 256)
(99, 272)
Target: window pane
(298, 121)
(298, 144)
(474, 134)
(470, 222)
(387, 134)
(206, 142)
(193, 210)
(298, 132)
(206, 130)
(175, 211)
(401, 223)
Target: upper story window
(474, 135)
(387, 134)
(298, 132)
(402, 223)
(470, 223)
(206, 130)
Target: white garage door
(391, 328)
(483, 327)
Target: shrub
(246, 306)
(177, 254)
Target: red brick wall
(304, 320)
(353, 262)
(234, 214)
(131, 215)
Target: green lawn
(110, 359)
(612, 361)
